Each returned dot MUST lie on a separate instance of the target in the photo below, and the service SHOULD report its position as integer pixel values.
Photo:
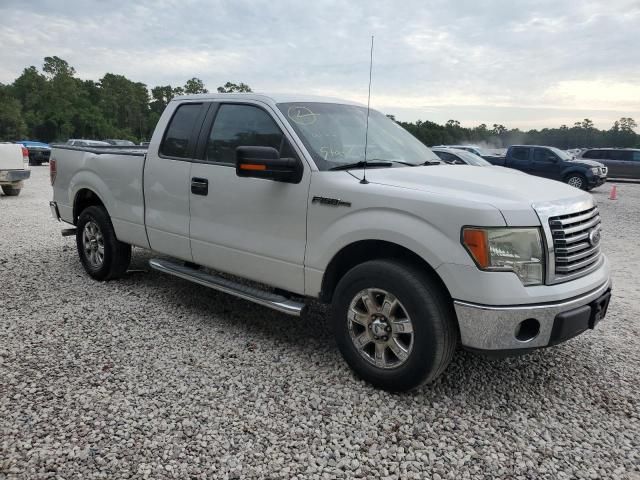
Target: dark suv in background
(553, 163)
(622, 162)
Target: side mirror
(265, 162)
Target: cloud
(493, 60)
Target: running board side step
(255, 295)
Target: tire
(102, 255)
(9, 191)
(577, 180)
(420, 299)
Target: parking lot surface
(154, 377)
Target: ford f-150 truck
(414, 256)
(553, 163)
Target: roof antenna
(366, 131)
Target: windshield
(561, 153)
(334, 134)
(473, 159)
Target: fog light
(528, 330)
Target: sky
(525, 64)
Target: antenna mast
(366, 131)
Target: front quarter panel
(427, 224)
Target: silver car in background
(456, 156)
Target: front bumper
(596, 180)
(14, 175)
(493, 328)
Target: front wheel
(394, 324)
(102, 255)
(10, 191)
(577, 180)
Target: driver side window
(243, 125)
(543, 155)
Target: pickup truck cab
(553, 163)
(14, 168)
(414, 256)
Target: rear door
(251, 227)
(518, 158)
(167, 179)
(624, 163)
(634, 165)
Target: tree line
(580, 134)
(54, 105)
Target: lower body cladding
(512, 328)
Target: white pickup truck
(415, 257)
(14, 168)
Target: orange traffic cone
(614, 193)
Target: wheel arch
(364, 250)
(573, 171)
(85, 197)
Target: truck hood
(510, 191)
(588, 163)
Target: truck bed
(115, 175)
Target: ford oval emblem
(594, 236)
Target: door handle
(199, 186)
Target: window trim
(195, 132)
(210, 120)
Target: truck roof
(536, 146)
(266, 97)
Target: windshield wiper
(361, 164)
(433, 162)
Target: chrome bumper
(485, 327)
(14, 175)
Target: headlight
(595, 170)
(517, 250)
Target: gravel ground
(153, 377)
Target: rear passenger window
(592, 154)
(242, 125)
(636, 156)
(621, 155)
(177, 138)
(520, 153)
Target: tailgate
(11, 156)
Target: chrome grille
(576, 243)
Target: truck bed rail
(137, 151)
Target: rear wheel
(394, 324)
(102, 255)
(577, 180)
(10, 191)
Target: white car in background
(457, 156)
(14, 168)
(81, 142)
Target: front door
(546, 164)
(249, 227)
